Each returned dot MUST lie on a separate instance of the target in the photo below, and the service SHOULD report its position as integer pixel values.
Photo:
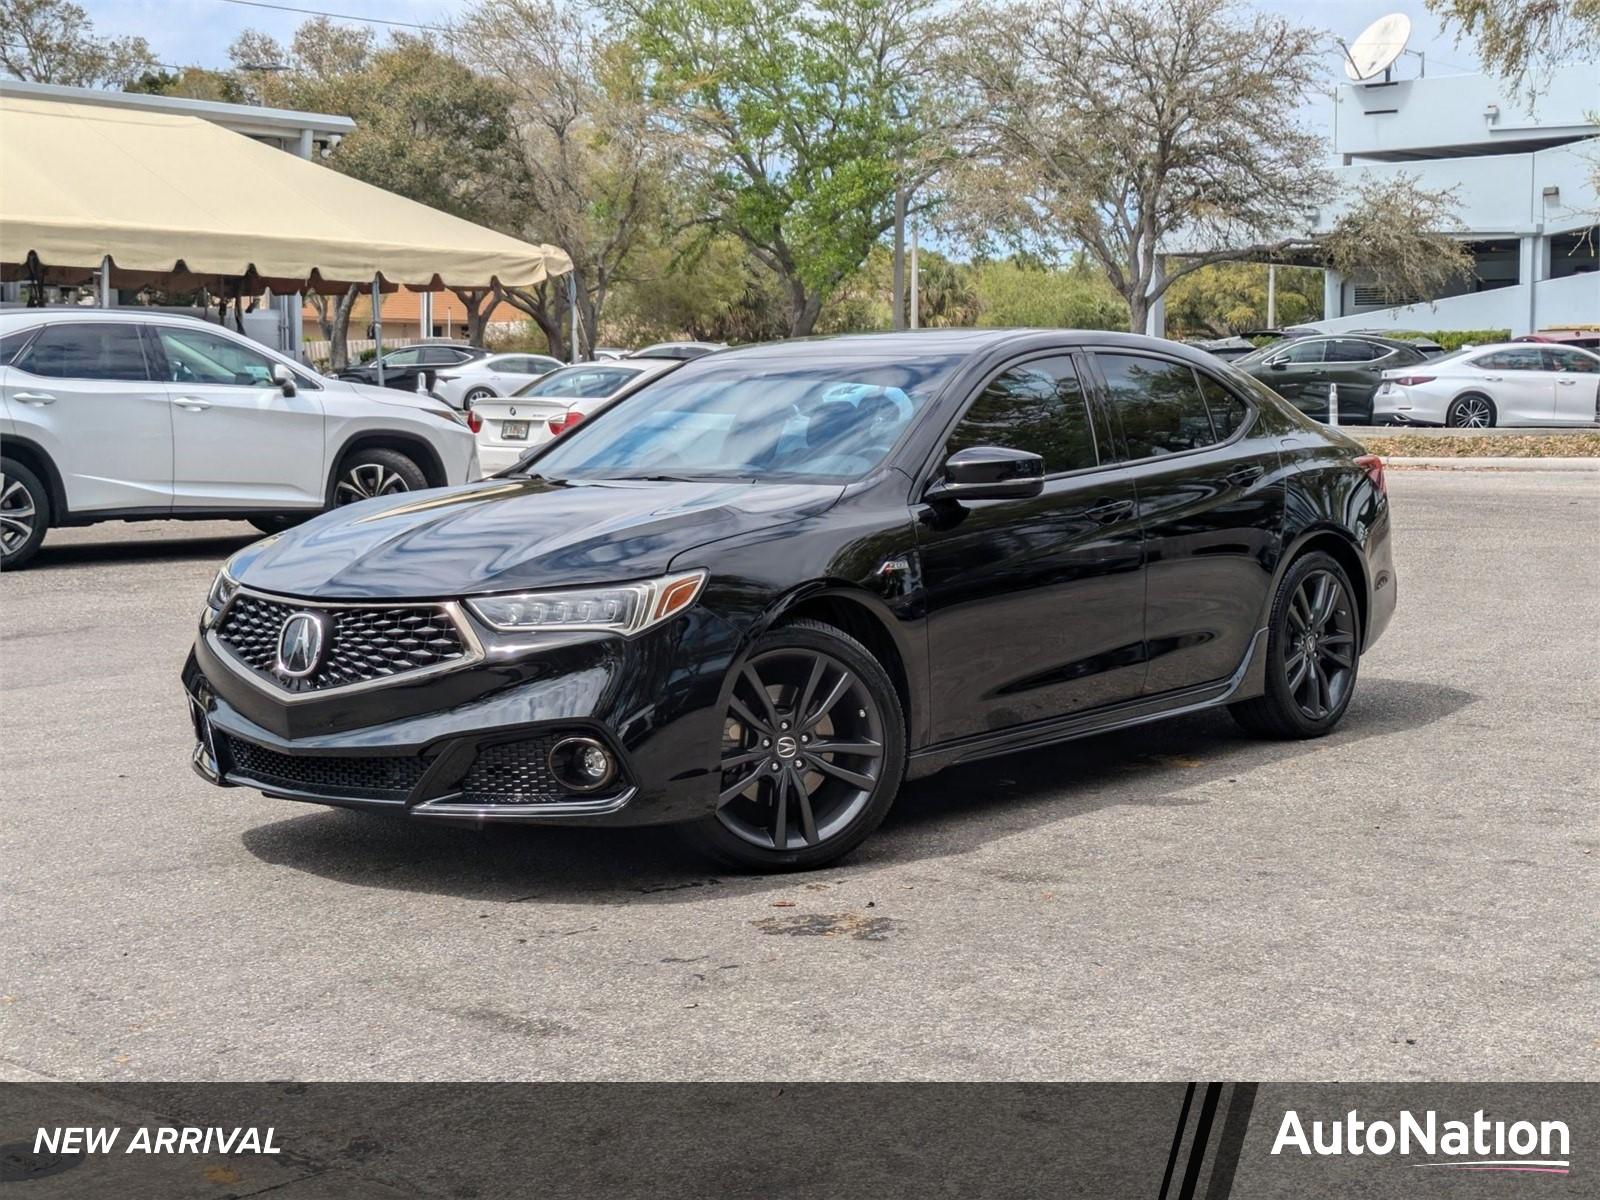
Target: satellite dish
(1378, 46)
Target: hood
(510, 534)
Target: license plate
(514, 431)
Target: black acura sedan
(759, 593)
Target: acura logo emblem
(300, 643)
(787, 747)
(513, 410)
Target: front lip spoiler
(452, 608)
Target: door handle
(1492, 378)
(191, 403)
(35, 398)
(1108, 511)
(1567, 382)
(1243, 476)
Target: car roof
(11, 317)
(955, 342)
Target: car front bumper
(471, 744)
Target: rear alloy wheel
(479, 393)
(1471, 412)
(24, 514)
(370, 473)
(1313, 653)
(812, 754)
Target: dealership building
(1524, 180)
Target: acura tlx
(760, 591)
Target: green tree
(52, 41)
(1230, 298)
(1141, 128)
(788, 121)
(427, 127)
(1016, 293)
(588, 165)
(1520, 39)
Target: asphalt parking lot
(1413, 898)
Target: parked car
(120, 415)
(1226, 348)
(1506, 384)
(1302, 369)
(1419, 341)
(762, 591)
(402, 367)
(1585, 337)
(508, 429)
(492, 375)
(683, 350)
(605, 352)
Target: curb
(1488, 463)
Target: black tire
(24, 514)
(476, 394)
(810, 808)
(1334, 655)
(366, 473)
(1463, 409)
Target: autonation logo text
(1479, 1145)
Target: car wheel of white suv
(24, 514)
(376, 472)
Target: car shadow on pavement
(952, 813)
(79, 554)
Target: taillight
(474, 421)
(559, 425)
(1413, 380)
(1373, 466)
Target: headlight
(626, 608)
(222, 589)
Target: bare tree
(333, 318)
(1160, 135)
(1521, 39)
(51, 41)
(589, 163)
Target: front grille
(516, 773)
(364, 644)
(375, 778)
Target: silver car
(548, 407)
(493, 375)
(1511, 383)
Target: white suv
(118, 414)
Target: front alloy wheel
(812, 751)
(371, 473)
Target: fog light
(581, 764)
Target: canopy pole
(377, 328)
(103, 282)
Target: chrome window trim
(452, 608)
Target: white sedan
(550, 406)
(1514, 383)
(493, 375)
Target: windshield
(581, 383)
(763, 420)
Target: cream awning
(167, 195)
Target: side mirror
(1277, 364)
(989, 473)
(284, 378)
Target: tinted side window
(1521, 359)
(1159, 403)
(87, 351)
(1354, 350)
(1039, 407)
(1228, 412)
(197, 356)
(1569, 362)
(12, 342)
(1303, 352)
(403, 358)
